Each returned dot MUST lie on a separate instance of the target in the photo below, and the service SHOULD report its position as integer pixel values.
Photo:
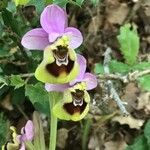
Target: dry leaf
(130, 96)
(95, 24)
(117, 15)
(129, 120)
(62, 135)
(144, 102)
(146, 3)
(6, 102)
(93, 143)
(115, 145)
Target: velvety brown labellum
(56, 70)
(71, 108)
(61, 52)
(78, 94)
(53, 68)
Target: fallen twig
(109, 83)
(131, 76)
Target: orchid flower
(59, 64)
(27, 134)
(75, 102)
(58, 41)
(18, 141)
(54, 26)
(14, 143)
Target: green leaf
(144, 82)
(3, 92)
(95, 2)
(47, 2)
(18, 96)
(3, 80)
(4, 52)
(141, 66)
(79, 2)
(11, 6)
(98, 68)
(129, 43)
(114, 66)
(140, 143)
(17, 81)
(147, 132)
(39, 4)
(3, 4)
(10, 21)
(38, 96)
(1, 70)
(118, 67)
(61, 3)
(4, 130)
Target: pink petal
(56, 87)
(53, 36)
(82, 63)
(22, 146)
(53, 19)
(91, 81)
(35, 39)
(29, 131)
(75, 37)
(19, 138)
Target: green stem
(29, 145)
(53, 123)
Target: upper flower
(60, 63)
(54, 25)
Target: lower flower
(74, 105)
(18, 141)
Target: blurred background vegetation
(100, 22)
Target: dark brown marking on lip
(79, 94)
(71, 109)
(61, 52)
(56, 70)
